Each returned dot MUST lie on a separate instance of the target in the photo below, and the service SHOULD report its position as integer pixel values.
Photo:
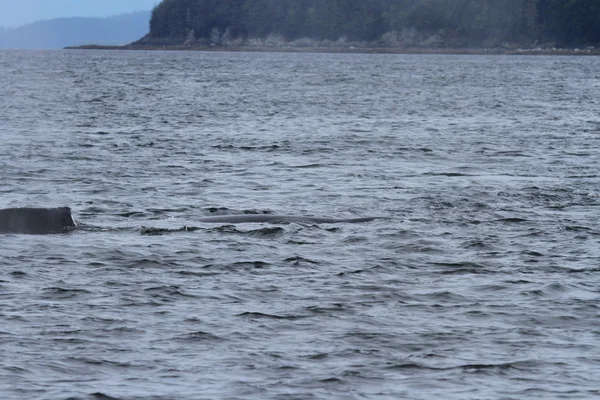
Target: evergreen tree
(565, 21)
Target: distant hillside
(427, 23)
(62, 32)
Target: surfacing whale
(36, 221)
(40, 221)
(243, 218)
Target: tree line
(567, 22)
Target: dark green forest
(470, 22)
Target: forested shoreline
(420, 23)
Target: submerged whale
(40, 221)
(36, 221)
(238, 219)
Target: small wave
(511, 153)
(260, 315)
(240, 265)
(473, 368)
(131, 214)
(460, 268)
(474, 243)
(327, 310)
(196, 273)
(198, 336)
(331, 380)
(448, 174)
(360, 271)
(150, 231)
(445, 296)
(62, 293)
(167, 292)
(161, 211)
(583, 270)
(513, 220)
(318, 356)
(217, 210)
(574, 228)
(96, 396)
(532, 253)
(262, 232)
(299, 260)
(266, 232)
(308, 166)
(15, 369)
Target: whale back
(36, 221)
(243, 218)
(40, 221)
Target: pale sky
(15, 13)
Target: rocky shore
(407, 41)
(358, 50)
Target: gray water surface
(484, 283)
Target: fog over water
(483, 283)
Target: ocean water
(482, 283)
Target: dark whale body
(238, 219)
(41, 221)
(36, 221)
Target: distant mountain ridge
(61, 32)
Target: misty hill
(432, 23)
(62, 32)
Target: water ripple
(483, 283)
